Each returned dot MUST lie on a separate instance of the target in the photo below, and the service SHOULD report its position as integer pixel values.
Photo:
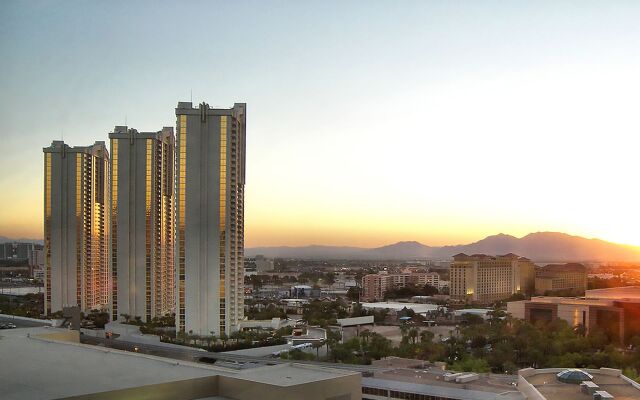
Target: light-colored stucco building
(484, 279)
(210, 178)
(375, 286)
(76, 228)
(554, 277)
(142, 222)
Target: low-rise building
(46, 366)
(561, 277)
(547, 384)
(620, 318)
(375, 286)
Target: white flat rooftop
(288, 375)
(40, 369)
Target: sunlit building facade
(484, 279)
(561, 277)
(76, 227)
(142, 223)
(210, 177)
(375, 286)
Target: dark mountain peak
(537, 246)
(410, 244)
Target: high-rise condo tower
(76, 227)
(142, 223)
(210, 177)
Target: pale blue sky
(369, 122)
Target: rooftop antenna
(125, 120)
(191, 95)
(62, 133)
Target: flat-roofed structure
(619, 318)
(429, 384)
(44, 366)
(561, 277)
(543, 384)
(616, 293)
(484, 279)
(375, 286)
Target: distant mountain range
(540, 246)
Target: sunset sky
(368, 122)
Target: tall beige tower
(210, 177)
(485, 279)
(142, 222)
(76, 228)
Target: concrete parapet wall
(630, 381)
(527, 389)
(50, 322)
(63, 336)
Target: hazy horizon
(429, 121)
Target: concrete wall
(516, 309)
(66, 336)
(527, 389)
(347, 387)
(321, 390)
(180, 390)
(51, 322)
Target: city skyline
(418, 135)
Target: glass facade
(114, 228)
(79, 226)
(148, 226)
(47, 230)
(223, 219)
(182, 187)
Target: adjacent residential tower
(76, 227)
(210, 177)
(142, 222)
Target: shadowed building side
(210, 218)
(142, 222)
(76, 228)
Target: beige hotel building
(210, 179)
(76, 227)
(142, 222)
(484, 279)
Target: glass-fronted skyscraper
(76, 228)
(142, 222)
(210, 177)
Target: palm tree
(316, 345)
(236, 336)
(126, 317)
(426, 336)
(413, 333)
(224, 338)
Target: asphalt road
(188, 354)
(22, 324)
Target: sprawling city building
(484, 279)
(375, 286)
(614, 310)
(210, 218)
(18, 250)
(556, 277)
(142, 222)
(76, 227)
